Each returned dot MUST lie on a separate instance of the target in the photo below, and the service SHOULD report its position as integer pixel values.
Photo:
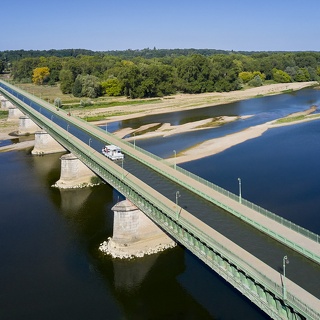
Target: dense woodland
(157, 72)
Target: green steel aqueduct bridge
(206, 220)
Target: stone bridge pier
(26, 126)
(75, 174)
(14, 114)
(134, 234)
(45, 144)
(5, 104)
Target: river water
(51, 268)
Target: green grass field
(50, 93)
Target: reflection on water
(129, 275)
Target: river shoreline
(183, 102)
(179, 103)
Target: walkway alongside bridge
(152, 184)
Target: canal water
(50, 266)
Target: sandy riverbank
(7, 130)
(179, 103)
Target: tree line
(156, 73)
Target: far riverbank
(181, 103)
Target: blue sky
(103, 25)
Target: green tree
(249, 63)
(280, 76)
(73, 65)
(238, 65)
(302, 75)
(224, 74)
(66, 81)
(156, 80)
(260, 74)
(246, 76)
(193, 74)
(291, 71)
(77, 87)
(22, 70)
(91, 86)
(54, 64)
(306, 59)
(130, 78)
(57, 102)
(86, 86)
(1, 66)
(256, 81)
(112, 87)
(313, 74)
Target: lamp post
(122, 167)
(106, 127)
(240, 196)
(51, 117)
(134, 140)
(175, 160)
(177, 197)
(90, 142)
(284, 262)
(68, 131)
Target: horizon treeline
(157, 72)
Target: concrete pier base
(27, 126)
(45, 144)
(134, 234)
(14, 114)
(74, 174)
(5, 104)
